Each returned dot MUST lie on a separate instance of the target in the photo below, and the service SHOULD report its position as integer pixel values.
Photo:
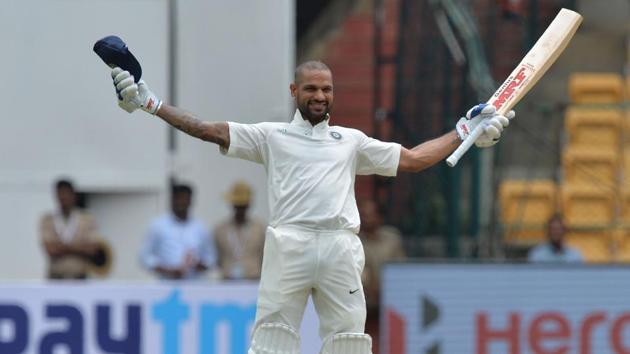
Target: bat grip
(465, 145)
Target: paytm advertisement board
(94, 318)
(505, 309)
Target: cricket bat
(533, 66)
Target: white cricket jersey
(311, 170)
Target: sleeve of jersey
(377, 157)
(246, 142)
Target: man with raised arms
(311, 246)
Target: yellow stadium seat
(595, 246)
(526, 206)
(591, 127)
(597, 166)
(596, 88)
(587, 206)
(625, 168)
(621, 244)
(625, 206)
(626, 129)
(622, 250)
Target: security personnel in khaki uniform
(68, 235)
(240, 240)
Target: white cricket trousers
(325, 264)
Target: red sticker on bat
(506, 92)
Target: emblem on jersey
(335, 135)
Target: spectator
(555, 250)
(381, 244)
(240, 240)
(68, 235)
(178, 246)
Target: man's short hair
(64, 183)
(555, 217)
(181, 188)
(309, 65)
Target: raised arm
(132, 96)
(214, 132)
(430, 152)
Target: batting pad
(275, 338)
(348, 343)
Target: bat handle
(465, 145)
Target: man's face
(240, 212)
(66, 198)
(180, 203)
(313, 93)
(556, 232)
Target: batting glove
(132, 96)
(493, 124)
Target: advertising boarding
(505, 309)
(97, 318)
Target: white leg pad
(348, 343)
(275, 338)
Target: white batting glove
(484, 114)
(132, 96)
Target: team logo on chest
(335, 135)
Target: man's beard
(307, 114)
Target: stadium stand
(591, 165)
(596, 88)
(525, 208)
(592, 127)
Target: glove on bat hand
(485, 114)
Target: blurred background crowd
(87, 191)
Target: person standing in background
(177, 246)
(240, 240)
(555, 250)
(68, 235)
(381, 244)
